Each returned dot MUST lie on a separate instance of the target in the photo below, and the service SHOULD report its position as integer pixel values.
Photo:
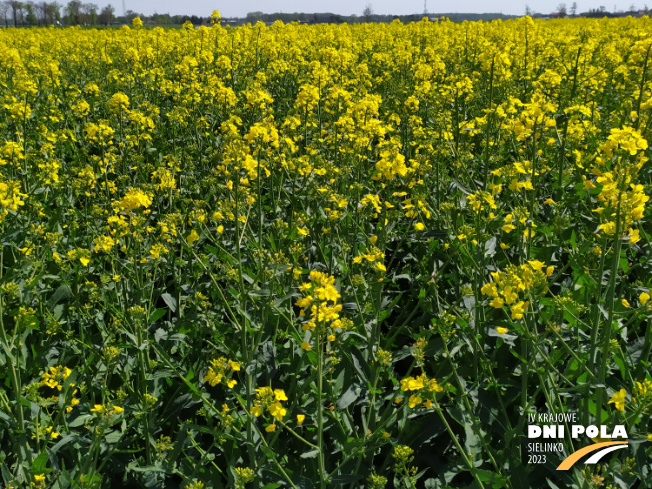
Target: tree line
(32, 13)
(368, 15)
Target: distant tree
(42, 12)
(4, 8)
(106, 15)
(254, 16)
(31, 18)
(367, 12)
(130, 15)
(161, 19)
(528, 10)
(90, 13)
(561, 9)
(72, 11)
(54, 12)
(16, 8)
(573, 9)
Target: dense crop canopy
(322, 255)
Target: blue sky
(348, 7)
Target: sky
(240, 8)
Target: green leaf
(170, 301)
(620, 361)
(360, 365)
(39, 465)
(350, 396)
(490, 247)
(63, 292)
(345, 479)
(160, 334)
(113, 436)
(456, 183)
(310, 453)
(497, 481)
(67, 439)
(269, 354)
(303, 483)
(212, 250)
(158, 314)
(267, 452)
(80, 420)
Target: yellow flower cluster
(622, 200)
(627, 138)
(507, 286)
(106, 410)
(269, 400)
(221, 370)
(373, 256)
(119, 102)
(618, 399)
(626, 205)
(54, 377)
(320, 289)
(423, 389)
(215, 17)
(11, 198)
(322, 298)
(479, 200)
(135, 199)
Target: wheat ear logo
(602, 450)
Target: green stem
(641, 89)
(15, 378)
(562, 147)
(320, 411)
(465, 456)
(645, 354)
(606, 333)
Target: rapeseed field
(324, 256)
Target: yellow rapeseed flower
(618, 399)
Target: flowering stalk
(608, 326)
(7, 347)
(489, 123)
(320, 410)
(451, 433)
(645, 354)
(562, 148)
(641, 90)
